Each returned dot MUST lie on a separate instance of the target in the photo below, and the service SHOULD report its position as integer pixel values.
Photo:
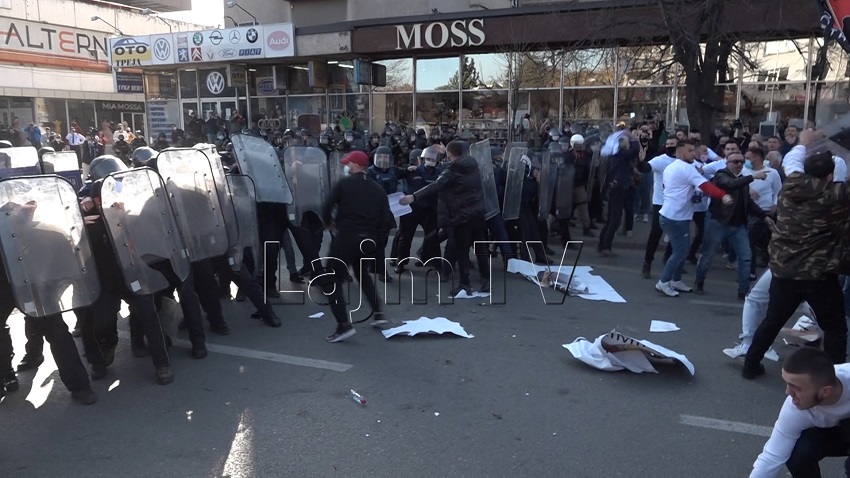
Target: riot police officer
(424, 211)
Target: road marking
(260, 355)
(726, 425)
(717, 303)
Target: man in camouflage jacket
(806, 250)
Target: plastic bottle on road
(356, 398)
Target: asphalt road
(509, 402)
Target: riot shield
(17, 162)
(307, 168)
(513, 186)
(244, 200)
(481, 152)
(63, 163)
(546, 182)
(259, 160)
(337, 170)
(510, 146)
(564, 188)
(223, 191)
(46, 251)
(191, 189)
(143, 229)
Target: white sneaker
(664, 288)
(680, 286)
(666, 239)
(772, 355)
(645, 218)
(739, 350)
(732, 265)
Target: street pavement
(509, 402)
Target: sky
(204, 12)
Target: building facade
(482, 65)
(55, 58)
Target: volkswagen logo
(216, 37)
(235, 37)
(215, 82)
(162, 49)
(251, 35)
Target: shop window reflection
(396, 107)
(435, 74)
(485, 115)
(592, 105)
(399, 75)
(436, 110)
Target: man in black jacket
(618, 178)
(362, 217)
(729, 223)
(461, 198)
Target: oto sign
(130, 51)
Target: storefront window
(436, 109)
(298, 79)
(593, 105)
(350, 110)
(830, 100)
(309, 107)
(589, 67)
(50, 113)
(188, 84)
(435, 74)
(399, 75)
(533, 69)
(261, 81)
(487, 71)
(544, 106)
(645, 104)
(772, 104)
(81, 114)
(268, 108)
(485, 115)
(397, 107)
(341, 77)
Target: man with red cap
(362, 217)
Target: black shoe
(199, 351)
(699, 288)
(742, 295)
(257, 315)
(272, 293)
(378, 320)
(647, 271)
(593, 227)
(399, 269)
(295, 278)
(98, 372)
(139, 350)
(109, 356)
(753, 277)
(341, 334)
(485, 286)
(164, 376)
(85, 396)
(272, 321)
(220, 328)
(750, 373)
(240, 296)
(10, 382)
(29, 362)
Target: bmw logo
(251, 35)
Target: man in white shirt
(681, 180)
(75, 142)
(765, 194)
(812, 423)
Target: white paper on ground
(475, 295)
(422, 325)
(583, 284)
(616, 351)
(397, 209)
(317, 315)
(661, 326)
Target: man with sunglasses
(729, 223)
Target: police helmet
(349, 135)
(4, 143)
(414, 156)
(420, 132)
(43, 150)
(576, 139)
(383, 157)
(142, 155)
(105, 165)
(554, 134)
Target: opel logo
(215, 82)
(216, 37)
(235, 37)
(162, 49)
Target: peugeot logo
(215, 82)
(235, 37)
(162, 49)
(216, 37)
(251, 35)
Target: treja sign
(459, 33)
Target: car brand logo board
(215, 82)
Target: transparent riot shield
(513, 187)
(337, 170)
(481, 152)
(259, 160)
(546, 182)
(17, 162)
(244, 200)
(564, 188)
(46, 251)
(191, 189)
(307, 169)
(228, 210)
(143, 229)
(63, 163)
(510, 146)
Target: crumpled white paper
(475, 295)
(662, 326)
(616, 351)
(583, 283)
(317, 315)
(424, 325)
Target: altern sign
(458, 33)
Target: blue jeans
(643, 195)
(678, 232)
(738, 239)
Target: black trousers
(427, 219)
(246, 283)
(655, 234)
(759, 233)
(616, 204)
(827, 301)
(347, 253)
(190, 302)
(463, 237)
(530, 233)
(272, 223)
(308, 237)
(814, 445)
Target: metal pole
(809, 81)
(561, 95)
(740, 86)
(616, 82)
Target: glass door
(139, 123)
